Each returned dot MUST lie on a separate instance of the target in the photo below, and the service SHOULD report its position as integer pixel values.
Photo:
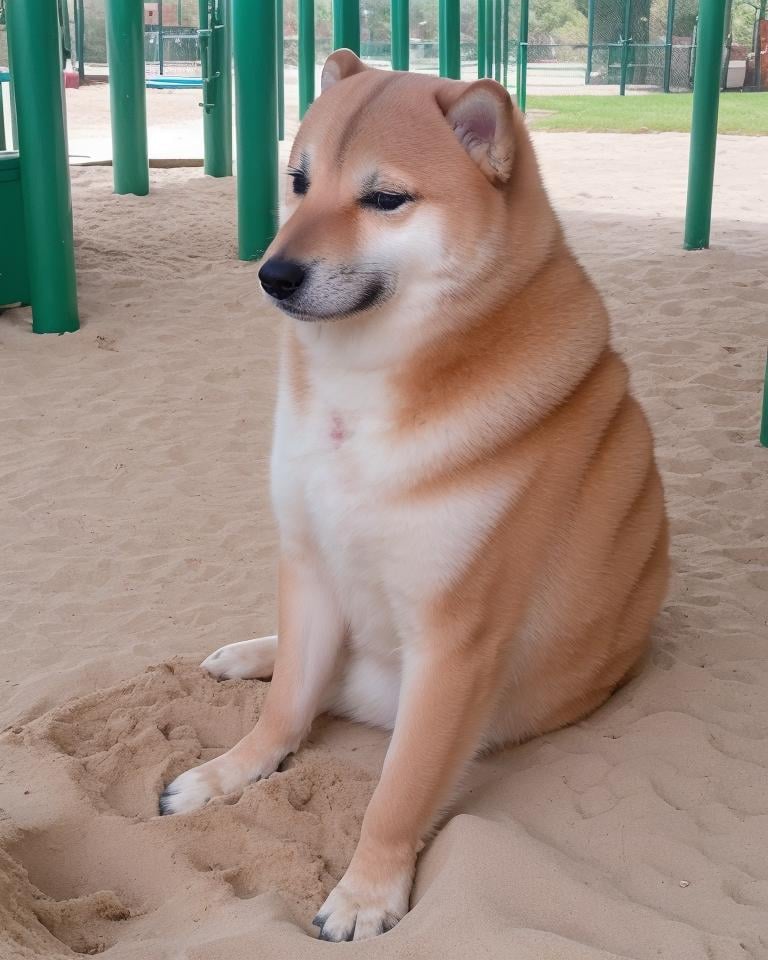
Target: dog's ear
(341, 64)
(482, 117)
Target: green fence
(175, 47)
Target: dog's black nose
(281, 278)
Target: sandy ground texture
(137, 538)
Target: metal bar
(33, 39)
(668, 44)
(727, 52)
(14, 144)
(280, 60)
(216, 61)
(306, 54)
(522, 57)
(160, 50)
(2, 120)
(401, 34)
(497, 41)
(481, 38)
(449, 39)
(346, 25)
(79, 15)
(255, 56)
(127, 96)
(759, 47)
(65, 44)
(706, 99)
(626, 27)
(590, 39)
(505, 44)
(488, 38)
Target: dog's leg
(246, 660)
(311, 632)
(445, 702)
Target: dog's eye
(385, 200)
(300, 182)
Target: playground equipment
(174, 83)
(37, 262)
(5, 77)
(249, 34)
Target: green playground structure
(37, 253)
(37, 260)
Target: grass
(740, 113)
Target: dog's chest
(340, 467)
(341, 475)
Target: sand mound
(107, 868)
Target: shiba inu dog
(473, 533)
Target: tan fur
(507, 390)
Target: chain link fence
(172, 49)
(573, 45)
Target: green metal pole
(706, 98)
(522, 57)
(758, 48)
(505, 44)
(481, 38)
(66, 38)
(764, 420)
(216, 62)
(497, 39)
(14, 145)
(401, 34)
(346, 25)
(280, 60)
(33, 39)
(127, 96)
(626, 27)
(306, 54)
(668, 44)
(160, 43)
(80, 37)
(728, 42)
(488, 38)
(255, 58)
(2, 121)
(590, 39)
(449, 39)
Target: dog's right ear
(340, 65)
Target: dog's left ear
(482, 117)
(341, 64)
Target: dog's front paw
(229, 773)
(246, 660)
(356, 910)
(190, 791)
(194, 788)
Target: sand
(137, 538)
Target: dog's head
(399, 192)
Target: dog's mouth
(315, 309)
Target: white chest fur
(342, 478)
